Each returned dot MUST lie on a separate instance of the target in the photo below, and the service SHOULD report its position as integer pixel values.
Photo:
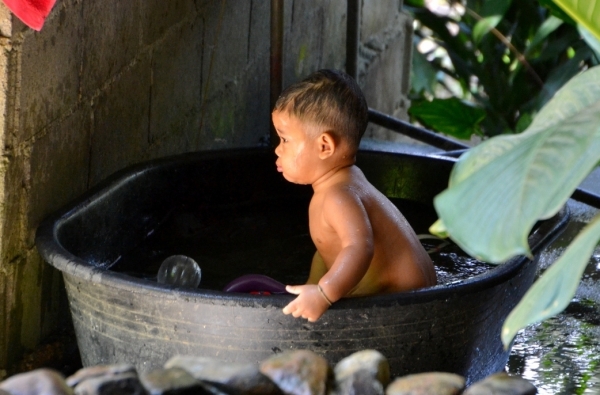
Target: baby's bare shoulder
(342, 200)
(342, 191)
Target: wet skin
(364, 244)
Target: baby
(364, 245)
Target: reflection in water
(561, 356)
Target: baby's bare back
(399, 262)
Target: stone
(112, 384)
(300, 372)
(174, 381)
(364, 372)
(360, 383)
(243, 379)
(502, 384)
(39, 381)
(438, 383)
(98, 371)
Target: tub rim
(53, 252)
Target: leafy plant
(499, 189)
(504, 57)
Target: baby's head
(330, 100)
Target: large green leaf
(555, 289)
(499, 189)
(584, 12)
(450, 116)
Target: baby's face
(297, 152)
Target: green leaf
(584, 12)
(592, 41)
(496, 7)
(438, 229)
(499, 189)
(549, 25)
(450, 116)
(556, 287)
(423, 73)
(556, 11)
(492, 13)
(560, 75)
(414, 3)
(484, 26)
(523, 123)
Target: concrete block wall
(109, 83)
(385, 57)
(315, 38)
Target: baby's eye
(283, 140)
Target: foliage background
(494, 69)
(487, 67)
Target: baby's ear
(327, 145)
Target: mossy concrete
(109, 83)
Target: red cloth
(33, 13)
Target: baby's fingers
(292, 309)
(293, 289)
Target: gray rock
(437, 383)
(300, 372)
(39, 381)
(502, 384)
(98, 371)
(364, 372)
(174, 381)
(126, 383)
(361, 383)
(242, 379)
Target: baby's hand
(309, 304)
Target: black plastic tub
(234, 214)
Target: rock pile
(299, 372)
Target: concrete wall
(385, 57)
(108, 83)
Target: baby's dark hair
(328, 98)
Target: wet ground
(561, 356)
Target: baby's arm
(344, 212)
(317, 269)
